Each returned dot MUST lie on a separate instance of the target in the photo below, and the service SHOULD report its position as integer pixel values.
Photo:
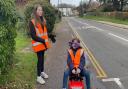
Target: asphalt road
(109, 46)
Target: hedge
(8, 20)
(114, 14)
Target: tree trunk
(122, 5)
(48, 1)
(116, 5)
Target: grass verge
(23, 73)
(109, 19)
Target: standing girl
(40, 41)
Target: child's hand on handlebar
(74, 71)
(78, 71)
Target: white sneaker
(44, 75)
(40, 80)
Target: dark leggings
(40, 63)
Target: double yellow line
(101, 73)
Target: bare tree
(117, 4)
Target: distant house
(66, 9)
(75, 12)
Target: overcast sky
(73, 2)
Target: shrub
(8, 20)
(107, 8)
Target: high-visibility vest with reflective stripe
(76, 58)
(42, 33)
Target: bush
(58, 15)
(48, 10)
(125, 8)
(107, 8)
(8, 20)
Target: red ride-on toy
(75, 82)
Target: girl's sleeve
(82, 61)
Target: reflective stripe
(38, 43)
(38, 33)
(42, 34)
(46, 40)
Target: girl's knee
(66, 73)
(86, 73)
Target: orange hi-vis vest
(76, 58)
(42, 33)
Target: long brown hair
(36, 17)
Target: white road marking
(98, 28)
(103, 30)
(108, 80)
(72, 36)
(83, 27)
(118, 37)
(116, 80)
(89, 26)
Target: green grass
(23, 74)
(103, 18)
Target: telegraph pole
(58, 4)
(61, 9)
(81, 7)
(49, 1)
